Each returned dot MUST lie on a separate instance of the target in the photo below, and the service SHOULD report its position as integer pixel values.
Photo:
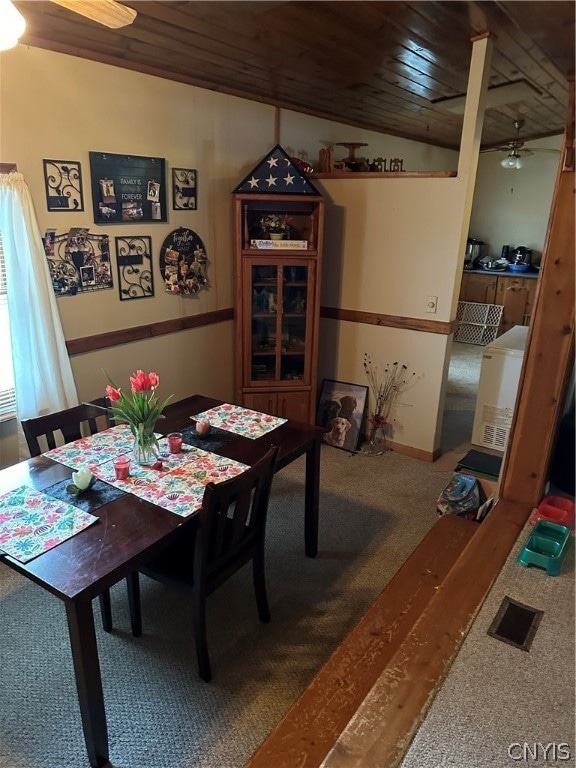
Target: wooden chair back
(229, 532)
(69, 423)
(232, 522)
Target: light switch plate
(431, 303)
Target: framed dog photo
(340, 411)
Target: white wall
(511, 207)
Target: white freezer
(497, 389)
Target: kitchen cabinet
(514, 292)
(278, 304)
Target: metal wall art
(79, 262)
(183, 262)
(63, 181)
(128, 189)
(134, 261)
(184, 189)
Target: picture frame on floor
(340, 411)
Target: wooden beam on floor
(306, 734)
(382, 728)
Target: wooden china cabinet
(277, 311)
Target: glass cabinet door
(294, 325)
(279, 325)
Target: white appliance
(498, 387)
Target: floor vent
(515, 624)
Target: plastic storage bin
(546, 547)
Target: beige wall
(60, 107)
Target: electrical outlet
(431, 303)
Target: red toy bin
(555, 509)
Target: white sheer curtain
(42, 372)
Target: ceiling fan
(107, 12)
(515, 149)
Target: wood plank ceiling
(375, 65)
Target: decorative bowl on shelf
(519, 267)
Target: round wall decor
(183, 262)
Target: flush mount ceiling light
(13, 25)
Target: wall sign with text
(128, 189)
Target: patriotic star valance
(276, 174)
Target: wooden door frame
(549, 357)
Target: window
(7, 391)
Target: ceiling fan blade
(505, 148)
(107, 12)
(542, 149)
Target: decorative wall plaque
(184, 189)
(183, 262)
(127, 189)
(63, 182)
(79, 262)
(134, 262)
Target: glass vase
(373, 446)
(145, 448)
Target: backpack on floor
(460, 497)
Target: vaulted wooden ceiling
(376, 65)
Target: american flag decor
(276, 174)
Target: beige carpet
(374, 512)
(500, 706)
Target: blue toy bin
(546, 547)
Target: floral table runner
(89, 452)
(179, 485)
(31, 523)
(241, 421)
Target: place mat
(215, 438)
(179, 485)
(240, 421)
(96, 449)
(31, 523)
(99, 494)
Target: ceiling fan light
(513, 160)
(13, 25)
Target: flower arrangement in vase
(385, 388)
(276, 226)
(140, 409)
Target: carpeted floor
(501, 706)
(374, 511)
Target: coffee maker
(473, 253)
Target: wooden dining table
(129, 531)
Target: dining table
(131, 529)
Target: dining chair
(72, 424)
(69, 422)
(229, 532)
